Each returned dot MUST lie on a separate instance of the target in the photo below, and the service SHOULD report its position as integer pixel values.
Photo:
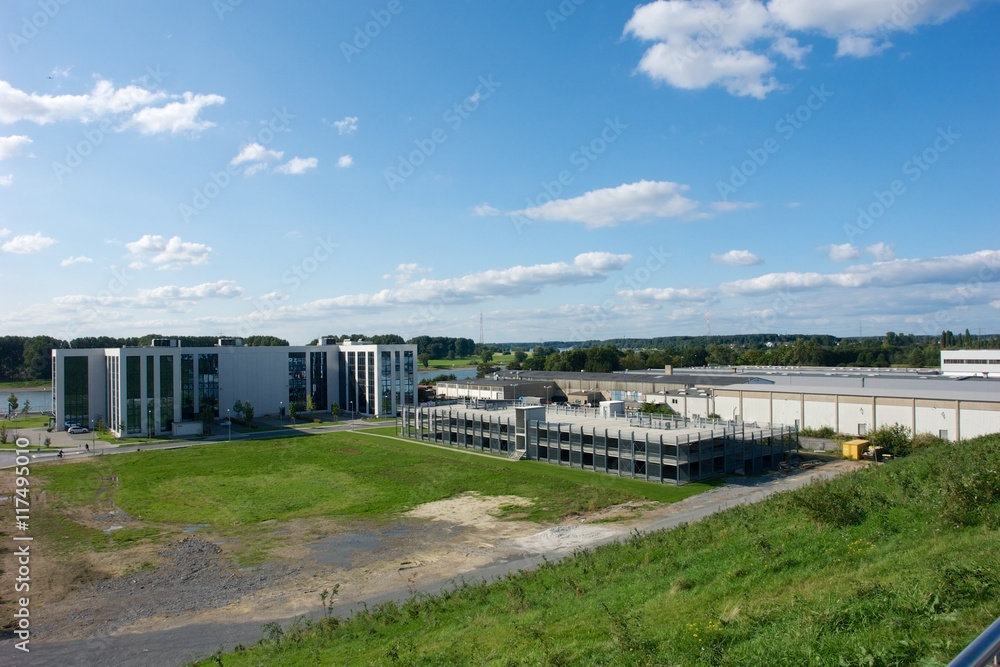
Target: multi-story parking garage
(661, 450)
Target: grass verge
(892, 565)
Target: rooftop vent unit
(230, 342)
(166, 342)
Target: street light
(281, 412)
(229, 422)
(350, 409)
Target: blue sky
(571, 170)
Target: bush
(894, 440)
(824, 432)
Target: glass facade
(386, 381)
(297, 379)
(187, 386)
(208, 383)
(133, 395)
(77, 382)
(317, 380)
(166, 393)
(408, 385)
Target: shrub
(894, 440)
(823, 432)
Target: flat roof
(586, 418)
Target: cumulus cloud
(175, 117)
(881, 251)
(297, 165)
(164, 253)
(12, 145)
(981, 266)
(737, 258)
(167, 296)
(485, 210)
(670, 294)
(608, 207)
(405, 272)
(25, 244)
(844, 252)
(514, 281)
(71, 260)
(345, 161)
(7, 181)
(702, 43)
(179, 114)
(348, 126)
(254, 152)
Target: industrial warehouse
(606, 439)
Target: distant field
(892, 565)
(233, 488)
(7, 385)
(469, 362)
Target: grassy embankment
(244, 491)
(895, 565)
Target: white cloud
(514, 281)
(348, 126)
(297, 165)
(4, 232)
(167, 296)
(698, 43)
(12, 145)
(255, 153)
(670, 294)
(175, 117)
(69, 261)
(737, 258)
(610, 206)
(221, 289)
(60, 72)
(977, 267)
(7, 181)
(345, 161)
(24, 244)
(405, 272)
(881, 251)
(844, 252)
(172, 253)
(485, 209)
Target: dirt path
(195, 602)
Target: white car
(77, 429)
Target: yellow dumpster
(853, 449)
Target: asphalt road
(181, 646)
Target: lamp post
(149, 422)
(229, 422)
(281, 412)
(93, 436)
(350, 409)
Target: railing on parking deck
(984, 649)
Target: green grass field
(894, 565)
(234, 488)
(467, 362)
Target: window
(943, 434)
(166, 392)
(75, 394)
(187, 386)
(133, 394)
(297, 379)
(862, 429)
(317, 378)
(208, 383)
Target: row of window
(970, 361)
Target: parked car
(70, 425)
(78, 429)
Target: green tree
(12, 402)
(310, 403)
(247, 411)
(335, 411)
(424, 359)
(487, 356)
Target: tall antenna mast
(708, 324)
(481, 327)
